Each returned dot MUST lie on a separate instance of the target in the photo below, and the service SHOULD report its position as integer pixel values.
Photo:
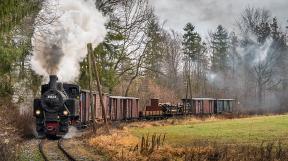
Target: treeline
(141, 58)
(16, 28)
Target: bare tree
(133, 21)
(251, 18)
(260, 57)
(171, 58)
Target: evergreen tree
(233, 54)
(13, 13)
(220, 46)
(154, 48)
(194, 52)
(262, 32)
(275, 29)
(191, 43)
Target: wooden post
(99, 88)
(90, 51)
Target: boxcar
(199, 105)
(85, 110)
(204, 105)
(123, 108)
(224, 106)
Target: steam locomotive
(57, 108)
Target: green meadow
(254, 130)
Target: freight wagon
(117, 108)
(200, 106)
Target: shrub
(25, 123)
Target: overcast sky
(207, 14)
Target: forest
(143, 58)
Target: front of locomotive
(52, 115)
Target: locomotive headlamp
(65, 113)
(37, 112)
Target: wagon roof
(122, 97)
(203, 98)
(200, 99)
(94, 92)
(226, 99)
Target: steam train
(56, 108)
(62, 105)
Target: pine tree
(262, 32)
(194, 52)
(154, 48)
(220, 46)
(191, 43)
(275, 29)
(233, 54)
(12, 14)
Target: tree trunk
(89, 47)
(129, 85)
(260, 95)
(99, 88)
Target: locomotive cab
(57, 107)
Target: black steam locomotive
(57, 108)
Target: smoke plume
(62, 30)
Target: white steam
(63, 29)
(73, 132)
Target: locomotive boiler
(57, 108)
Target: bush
(25, 123)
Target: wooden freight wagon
(204, 105)
(199, 105)
(85, 110)
(123, 108)
(224, 106)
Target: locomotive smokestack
(53, 82)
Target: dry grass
(22, 124)
(120, 145)
(174, 121)
(121, 150)
(7, 132)
(114, 145)
(6, 152)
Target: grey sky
(207, 14)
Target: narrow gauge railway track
(52, 150)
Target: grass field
(246, 130)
